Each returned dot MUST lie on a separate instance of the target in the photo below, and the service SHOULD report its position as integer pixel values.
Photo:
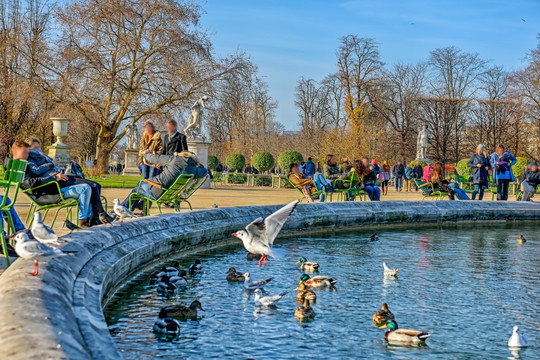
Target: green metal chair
(13, 177)
(350, 187)
(315, 194)
(436, 195)
(68, 204)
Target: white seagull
(42, 232)
(517, 340)
(31, 249)
(121, 210)
(267, 300)
(388, 271)
(259, 235)
(252, 285)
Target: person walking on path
(310, 168)
(385, 177)
(398, 171)
(502, 161)
(150, 140)
(407, 177)
(479, 163)
(418, 172)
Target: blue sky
(288, 39)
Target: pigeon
(388, 271)
(267, 300)
(121, 210)
(31, 249)
(374, 237)
(259, 235)
(252, 285)
(215, 206)
(517, 340)
(104, 219)
(71, 226)
(42, 232)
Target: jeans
(373, 192)
(95, 199)
(478, 189)
(83, 194)
(502, 189)
(148, 171)
(399, 183)
(144, 189)
(17, 223)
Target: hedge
(213, 162)
(263, 181)
(263, 161)
(422, 163)
(519, 166)
(236, 162)
(287, 158)
(234, 178)
(462, 169)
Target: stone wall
(58, 314)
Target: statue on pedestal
(422, 143)
(132, 137)
(194, 129)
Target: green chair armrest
(47, 184)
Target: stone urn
(59, 150)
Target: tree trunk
(103, 149)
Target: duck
(234, 276)
(165, 286)
(517, 340)
(251, 256)
(374, 237)
(521, 239)
(196, 267)
(170, 271)
(308, 266)
(304, 312)
(403, 336)
(182, 312)
(165, 325)
(317, 282)
(382, 316)
(388, 271)
(267, 300)
(305, 294)
(252, 285)
(179, 280)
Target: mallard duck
(170, 271)
(517, 340)
(304, 312)
(165, 286)
(308, 266)
(521, 239)
(179, 280)
(196, 267)
(165, 325)
(317, 282)
(182, 312)
(267, 300)
(252, 285)
(234, 276)
(388, 271)
(403, 336)
(251, 256)
(374, 237)
(305, 294)
(382, 316)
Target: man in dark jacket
(310, 168)
(399, 171)
(171, 167)
(530, 182)
(480, 164)
(418, 173)
(174, 141)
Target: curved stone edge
(58, 314)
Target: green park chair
(13, 177)
(69, 205)
(436, 195)
(315, 194)
(351, 188)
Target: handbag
(73, 169)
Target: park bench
(13, 177)
(180, 191)
(436, 195)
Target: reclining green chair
(68, 204)
(436, 195)
(352, 189)
(13, 177)
(316, 194)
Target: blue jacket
(479, 174)
(409, 173)
(39, 163)
(310, 168)
(503, 171)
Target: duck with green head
(398, 336)
(317, 282)
(308, 266)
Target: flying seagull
(32, 249)
(42, 232)
(259, 235)
(121, 210)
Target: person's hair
(31, 140)
(148, 123)
(328, 158)
(359, 168)
(501, 146)
(17, 145)
(172, 122)
(293, 165)
(303, 163)
(436, 175)
(385, 166)
(309, 158)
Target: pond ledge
(58, 314)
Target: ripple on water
(466, 285)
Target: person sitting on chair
(298, 179)
(530, 181)
(171, 166)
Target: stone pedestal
(200, 148)
(426, 160)
(131, 162)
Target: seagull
(252, 285)
(517, 340)
(121, 210)
(31, 249)
(42, 232)
(71, 226)
(388, 271)
(267, 300)
(522, 19)
(374, 237)
(259, 235)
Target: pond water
(465, 285)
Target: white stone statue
(422, 143)
(194, 129)
(132, 137)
